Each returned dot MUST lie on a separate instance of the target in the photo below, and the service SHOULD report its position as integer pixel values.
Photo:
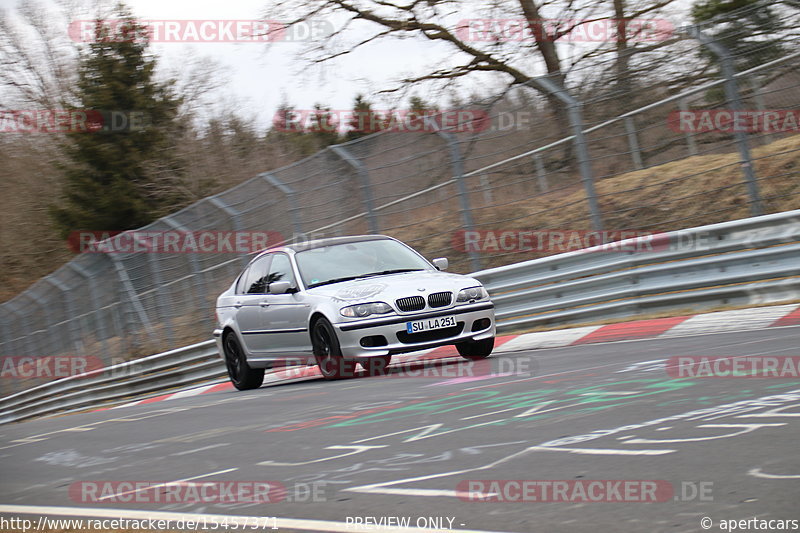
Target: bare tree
(513, 42)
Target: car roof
(320, 243)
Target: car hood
(392, 286)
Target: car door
(286, 315)
(249, 302)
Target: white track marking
(355, 450)
(600, 451)
(242, 521)
(746, 428)
(756, 472)
(187, 452)
(149, 487)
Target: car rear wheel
(376, 366)
(476, 349)
(328, 353)
(242, 376)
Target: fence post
(198, 277)
(6, 342)
(575, 112)
(683, 105)
(102, 330)
(755, 83)
(457, 165)
(21, 347)
(541, 173)
(732, 95)
(163, 307)
(236, 220)
(633, 143)
(291, 200)
(43, 305)
(8, 349)
(486, 185)
(366, 188)
(135, 305)
(72, 312)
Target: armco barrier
(748, 261)
(745, 261)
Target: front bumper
(352, 335)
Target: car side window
(241, 283)
(255, 281)
(281, 269)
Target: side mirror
(441, 263)
(279, 287)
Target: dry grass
(691, 192)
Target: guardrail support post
(735, 102)
(575, 112)
(457, 164)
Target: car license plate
(431, 323)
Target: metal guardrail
(745, 261)
(183, 366)
(753, 260)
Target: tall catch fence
(642, 141)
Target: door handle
(264, 304)
(237, 305)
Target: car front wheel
(328, 353)
(242, 376)
(476, 349)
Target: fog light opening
(373, 341)
(481, 324)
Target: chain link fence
(639, 141)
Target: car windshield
(348, 261)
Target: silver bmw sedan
(346, 300)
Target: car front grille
(411, 303)
(440, 299)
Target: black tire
(376, 366)
(242, 376)
(328, 353)
(473, 350)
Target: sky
(258, 77)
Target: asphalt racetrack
(512, 446)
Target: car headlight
(364, 310)
(472, 294)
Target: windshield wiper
(334, 280)
(395, 271)
(362, 276)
